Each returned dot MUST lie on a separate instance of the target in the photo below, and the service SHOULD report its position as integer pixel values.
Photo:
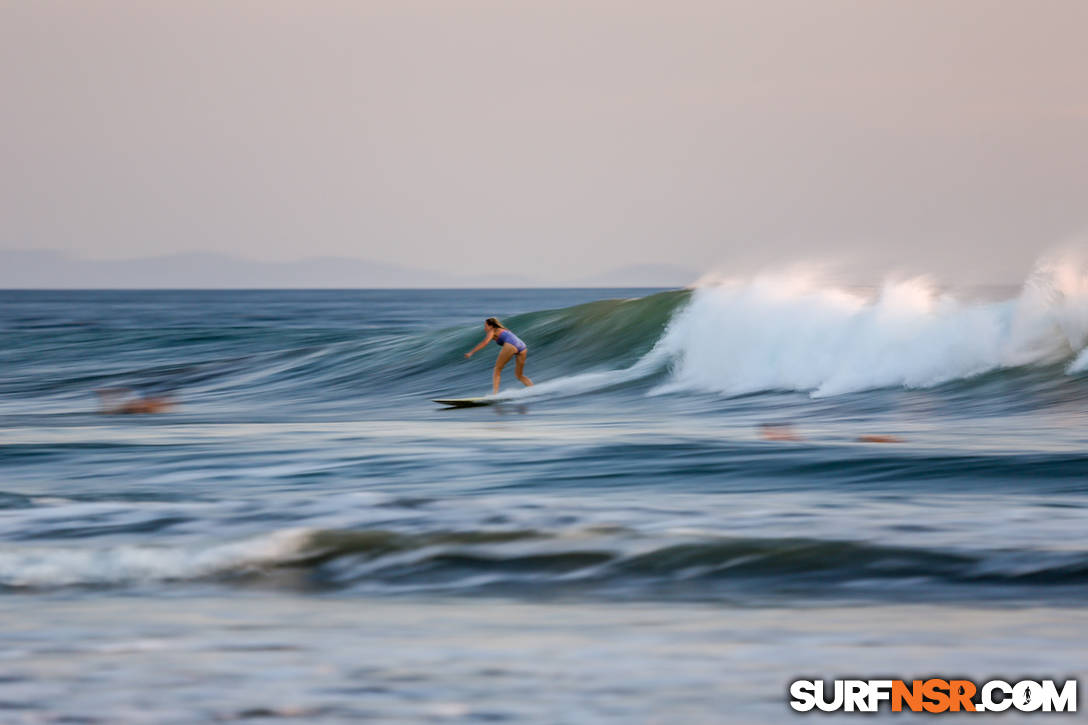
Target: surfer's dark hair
(494, 322)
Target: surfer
(512, 347)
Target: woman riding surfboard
(512, 347)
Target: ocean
(707, 494)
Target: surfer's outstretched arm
(483, 343)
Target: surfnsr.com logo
(933, 695)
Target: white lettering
(1064, 701)
(989, 704)
(803, 693)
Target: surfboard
(465, 402)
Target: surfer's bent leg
(519, 368)
(505, 354)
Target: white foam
(648, 364)
(790, 332)
(51, 566)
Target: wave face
(313, 350)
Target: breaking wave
(788, 332)
(791, 332)
(603, 559)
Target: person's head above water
(493, 323)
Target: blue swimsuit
(505, 336)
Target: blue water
(878, 460)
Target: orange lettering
(936, 691)
(912, 695)
(961, 692)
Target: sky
(554, 140)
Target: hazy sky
(554, 138)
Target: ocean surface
(707, 494)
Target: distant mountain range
(209, 270)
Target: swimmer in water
(512, 347)
(118, 401)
